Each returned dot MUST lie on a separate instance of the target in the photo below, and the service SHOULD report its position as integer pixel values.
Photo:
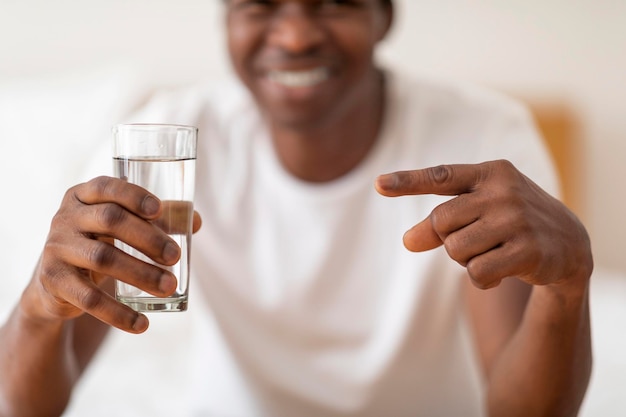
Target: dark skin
(532, 326)
(309, 66)
(67, 308)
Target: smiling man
(467, 296)
(309, 66)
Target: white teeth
(299, 78)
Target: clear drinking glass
(162, 159)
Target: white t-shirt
(315, 308)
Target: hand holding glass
(162, 159)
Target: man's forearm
(37, 366)
(545, 368)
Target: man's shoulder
(451, 96)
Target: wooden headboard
(560, 128)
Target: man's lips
(299, 78)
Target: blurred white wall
(570, 50)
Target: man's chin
(298, 118)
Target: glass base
(155, 304)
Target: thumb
(422, 237)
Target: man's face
(305, 61)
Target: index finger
(114, 190)
(440, 180)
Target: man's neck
(326, 151)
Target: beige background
(570, 53)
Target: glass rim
(152, 127)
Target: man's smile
(299, 78)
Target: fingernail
(387, 181)
(167, 284)
(140, 324)
(171, 252)
(150, 205)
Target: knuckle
(62, 224)
(483, 274)
(454, 249)
(507, 165)
(90, 298)
(101, 254)
(440, 219)
(505, 169)
(71, 194)
(58, 220)
(101, 184)
(501, 166)
(51, 266)
(64, 212)
(477, 272)
(480, 285)
(109, 215)
(51, 284)
(49, 274)
(440, 174)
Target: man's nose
(296, 29)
